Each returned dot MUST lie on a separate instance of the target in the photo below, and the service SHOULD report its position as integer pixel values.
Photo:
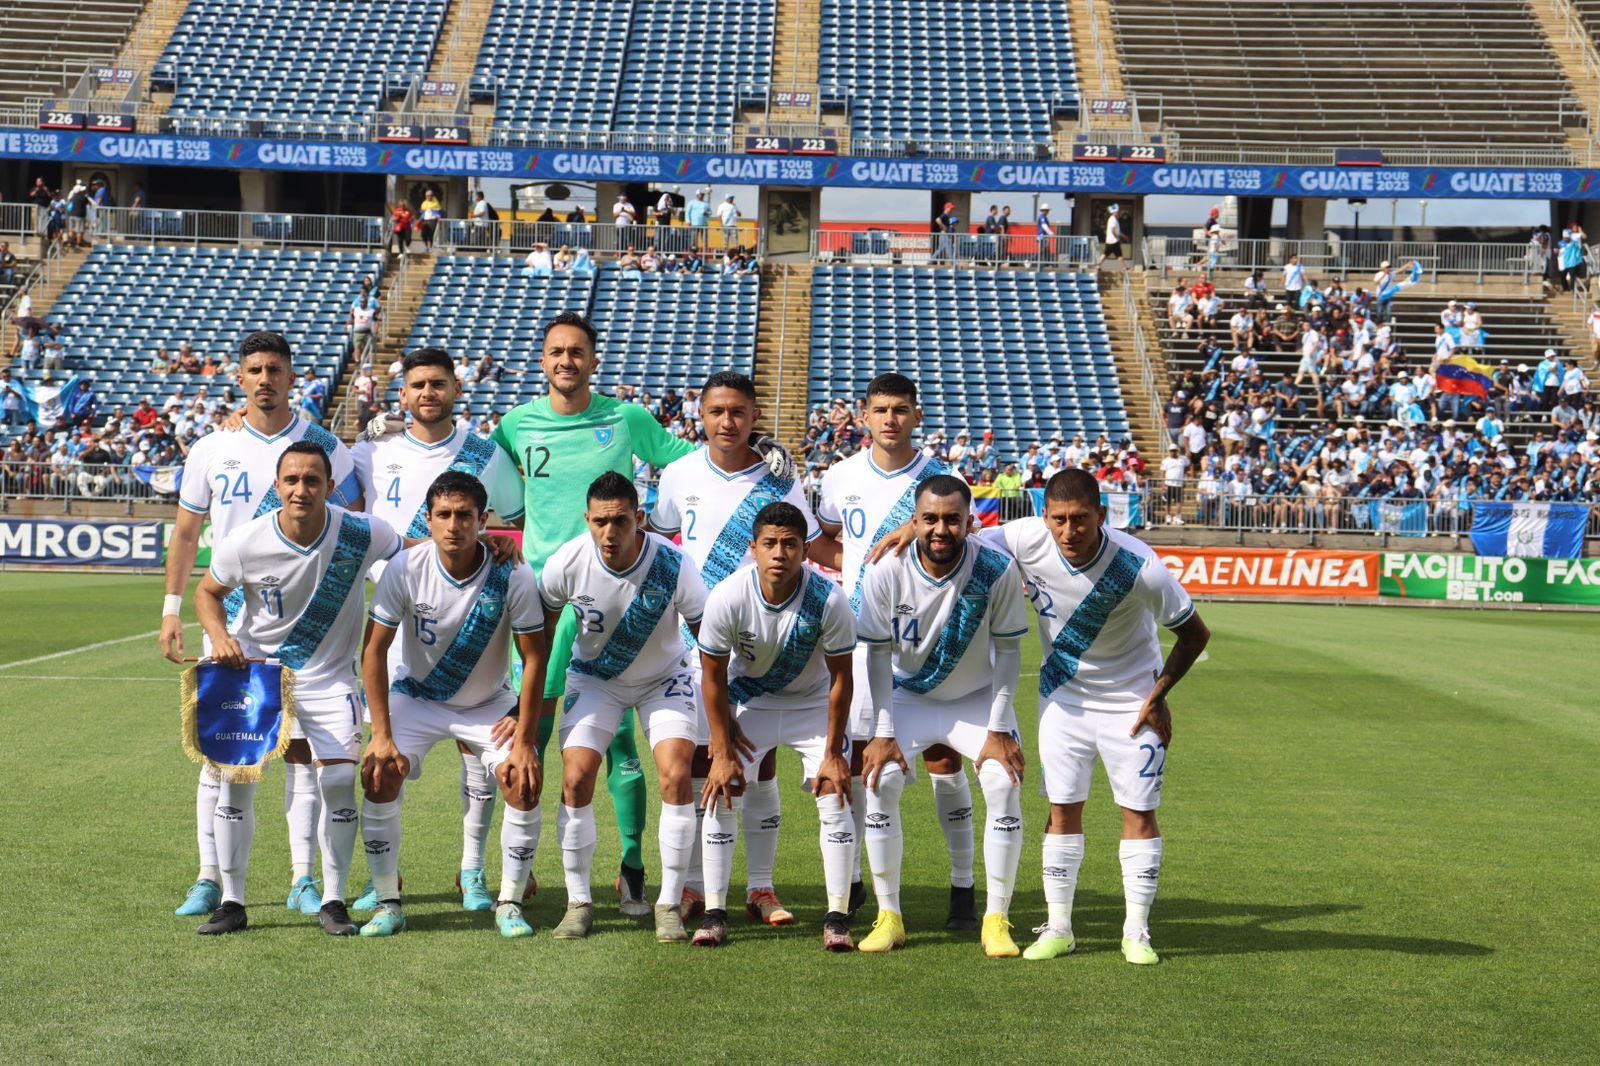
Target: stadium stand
(1589, 12)
(554, 65)
(318, 60)
(671, 84)
(125, 303)
(1024, 354)
(1252, 73)
(39, 42)
(983, 71)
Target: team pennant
(235, 720)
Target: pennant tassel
(244, 773)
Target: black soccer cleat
(963, 909)
(229, 918)
(335, 919)
(836, 932)
(858, 896)
(713, 931)
(630, 892)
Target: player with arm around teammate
(301, 569)
(775, 647)
(942, 623)
(459, 609)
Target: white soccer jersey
(867, 503)
(763, 641)
(941, 628)
(394, 474)
(438, 661)
(1097, 624)
(628, 620)
(227, 475)
(696, 499)
(303, 605)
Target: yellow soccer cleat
(1137, 950)
(997, 942)
(888, 933)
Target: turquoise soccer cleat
(509, 920)
(305, 896)
(474, 892)
(389, 920)
(204, 896)
(368, 900)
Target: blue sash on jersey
(1085, 624)
(797, 648)
(461, 657)
(474, 455)
(898, 516)
(327, 600)
(727, 552)
(234, 601)
(628, 638)
(962, 625)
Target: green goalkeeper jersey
(560, 455)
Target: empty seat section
(555, 64)
(687, 61)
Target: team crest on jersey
(653, 599)
(603, 435)
(761, 499)
(344, 570)
(975, 601)
(492, 606)
(808, 628)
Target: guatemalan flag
(1528, 527)
(46, 403)
(1464, 376)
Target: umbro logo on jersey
(841, 838)
(691, 500)
(585, 600)
(960, 814)
(852, 499)
(902, 608)
(230, 463)
(719, 838)
(520, 852)
(424, 608)
(377, 847)
(878, 820)
(343, 814)
(1007, 823)
(270, 579)
(394, 468)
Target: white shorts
(862, 721)
(330, 724)
(417, 725)
(592, 710)
(1070, 739)
(805, 730)
(961, 723)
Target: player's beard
(943, 552)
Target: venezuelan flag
(1465, 376)
(986, 504)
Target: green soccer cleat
(1137, 950)
(389, 920)
(305, 896)
(474, 892)
(203, 897)
(368, 900)
(1052, 943)
(509, 920)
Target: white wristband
(171, 605)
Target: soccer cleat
(368, 900)
(1137, 950)
(713, 931)
(509, 920)
(763, 906)
(888, 933)
(304, 896)
(858, 896)
(229, 918)
(836, 932)
(389, 920)
(630, 886)
(669, 925)
(574, 925)
(997, 942)
(474, 893)
(336, 919)
(963, 908)
(692, 905)
(203, 897)
(1052, 943)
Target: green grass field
(1379, 845)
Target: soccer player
(710, 501)
(1103, 687)
(396, 471)
(300, 569)
(630, 589)
(942, 623)
(863, 499)
(775, 647)
(460, 610)
(228, 478)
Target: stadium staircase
(400, 294)
(1099, 73)
(57, 276)
(1572, 319)
(796, 41)
(45, 47)
(150, 34)
(456, 53)
(1140, 386)
(1575, 54)
(783, 349)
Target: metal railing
(1577, 35)
(600, 240)
(935, 148)
(74, 481)
(1152, 382)
(257, 228)
(43, 270)
(1269, 152)
(898, 248)
(1314, 515)
(1478, 259)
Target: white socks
(235, 820)
(337, 782)
(575, 826)
(696, 877)
(477, 810)
(519, 839)
(884, 837)
(1063, 855)
(205, 809)
(763, 812)
(675, 832)
(839, 862)
(858, 822)
(1141, 870)
(1002, 837)
(302, 807)
(719, 830)
(380, 835)
(952, 798)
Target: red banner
(1272, 571)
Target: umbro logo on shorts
(960, 814)
(719, 838)
(1007, 823)
(841, 838)
(377, 847)
(343, 814)
(520, 852)
(878, 820)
